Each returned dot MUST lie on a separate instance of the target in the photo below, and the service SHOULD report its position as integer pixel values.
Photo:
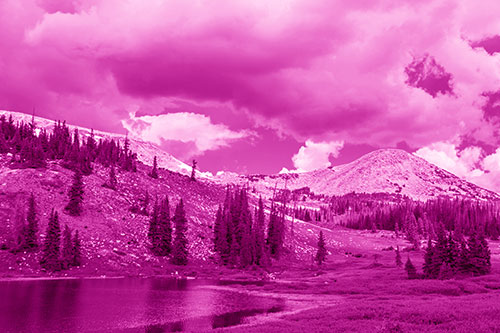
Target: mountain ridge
(392, 171)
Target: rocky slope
(381, 171)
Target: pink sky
(255, 86)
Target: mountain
(114, 236)
(381, 171)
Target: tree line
(451, 256)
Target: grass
(352, 295)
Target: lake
(125, 305)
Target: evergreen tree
(479, 255)
(51, 246)
(464, 258)
(193, 170)
(153, 226)
(485, 255)
(321, 253)
(67, 248)
(275, 232)
(74, 206)
(399, 262)
(180, 251)
(154, 171)
(112, 182)
(218, 231)
(32, 224)
(410, 269)
(428, 268)
(76, 250)
(259, 233)
(164, 230)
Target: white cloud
(468, 164)
(196, 131)
(446, 156)
(314, 155)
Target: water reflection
(142, 305)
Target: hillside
(145, 150)
(115, 239)
(381, 171)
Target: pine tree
(259, 233)
(153, 226)
(51, 246)
(164, 229)
(67, 249)
(428, 261)
(193, 170)
(410, 269)
(180, 251)
(399, 262)
(321, 253)
(32, 224)
(485, 255)
(74, 207)
(218, 232)
(154, 171)
(112, 182)
(76, 251)
(275, 232)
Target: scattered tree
(154, 171)
(193, 170)
(67, 249)
(321, 253)
(76, 252)
(180, 251)
(74, 206)
(410, 269)
(51, 246)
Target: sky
(266, 86)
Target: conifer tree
(154, 171)
(193, 170)
(463, 258)
(32, 224)
(399, 262)
(112, 182)
(74, 206)
(218, 232)
(153, 224)
(410, 269)
(321, 253)
(67, 248)
(275, 232)
(76, 250)
(429, 271)
(164, 230)
(180, 251)
(51, 246)
(259, 233)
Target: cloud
(471, 163)
(315, 155)
(311, 70)
(184, 134)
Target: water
(124, 305)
